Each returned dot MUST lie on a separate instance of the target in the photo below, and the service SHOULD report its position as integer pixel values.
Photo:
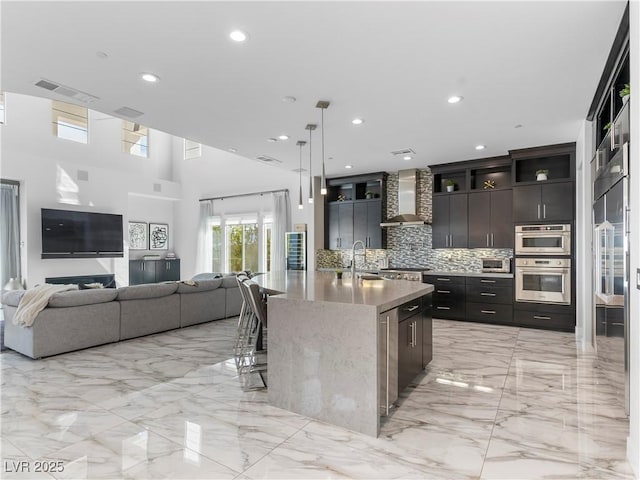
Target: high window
(135, 139)
(192, 149)
(241, 242)
(70, 121)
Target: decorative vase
(339, 275)
(368, 196)
(625, 99)
(450, 188)
(541, 177)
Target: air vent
(157, 187)
(66, 91)
(267, 159)
(404, 151)
(299, 170)
(128, 112)
(83, 175)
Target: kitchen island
(340, 349)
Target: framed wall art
(138, 239)
(158, 236)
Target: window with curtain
(240, 242)
(9, 232)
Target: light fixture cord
(300, 172)
(310, 170)
(324, 180)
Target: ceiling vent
(299, 170)
(66, 91)
(403, 151)
(128, 112)
(267, 159)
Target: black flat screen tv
(72, 234)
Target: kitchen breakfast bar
(341, 350)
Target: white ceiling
(393, 63)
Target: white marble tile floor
(496, 402)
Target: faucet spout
(353, 257)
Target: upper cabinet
(552, 163)
(490, 219)
(449, 224)
(354, 211)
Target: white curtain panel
(9, 234)
(204, 254)
(281, 225)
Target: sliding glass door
(9, 231)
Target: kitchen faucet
(353, 257)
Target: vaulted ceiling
(527, 72)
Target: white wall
(633, 444)
(48, 168)
(218, 173)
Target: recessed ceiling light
(272, 140)
(232, 150)
(407, 157)
(283, 137)
(150, 77)
(480, 147)
(238, 36)
(348, 166)
(357, 121)
(518, 126)
(455, 99)
(289, 99)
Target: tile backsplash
(410, 246)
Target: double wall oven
(543, 264)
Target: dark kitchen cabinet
(490, 223)
(427, 330)
(448, 296)
(340, 225)
(410, 342)
(367, 216)
(450, 215)
(153, 271)
(549, 202)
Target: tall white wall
(48, 170)
(219, 173)
(633, 444)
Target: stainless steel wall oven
(543, 280)
(543, 239)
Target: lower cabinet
(153, 271)
(564, 321)
(448, 296)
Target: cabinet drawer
(554, 321)
(489, 294)
(449, 310)
(406, 310)
(489, 312)
(442, 279)
(490, 281)
(449, 292)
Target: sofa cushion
(200, 286)
(12, 297)
(74, 298)
(206, 276)
(230, 282)
(150, 290)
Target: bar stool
(252, 321)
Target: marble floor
(496, 402)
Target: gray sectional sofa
(78, 319)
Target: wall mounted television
(73, 234)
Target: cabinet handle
(443, 291)
(538, 211)
(415, 334)
(411, 334)
(411, 308)
(488, 240)
(544, 210)
(487, 281)
(490, 312)
(486, 294)
(443, 308)
(492, 239)
(143, 267)
(541, 317)
(443, 279)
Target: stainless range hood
(407, 201)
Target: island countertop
(325, 287)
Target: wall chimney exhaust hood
(407, 200)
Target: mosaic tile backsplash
(410, 246)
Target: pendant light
(311, 127)
(323, 105)
(300, 143)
